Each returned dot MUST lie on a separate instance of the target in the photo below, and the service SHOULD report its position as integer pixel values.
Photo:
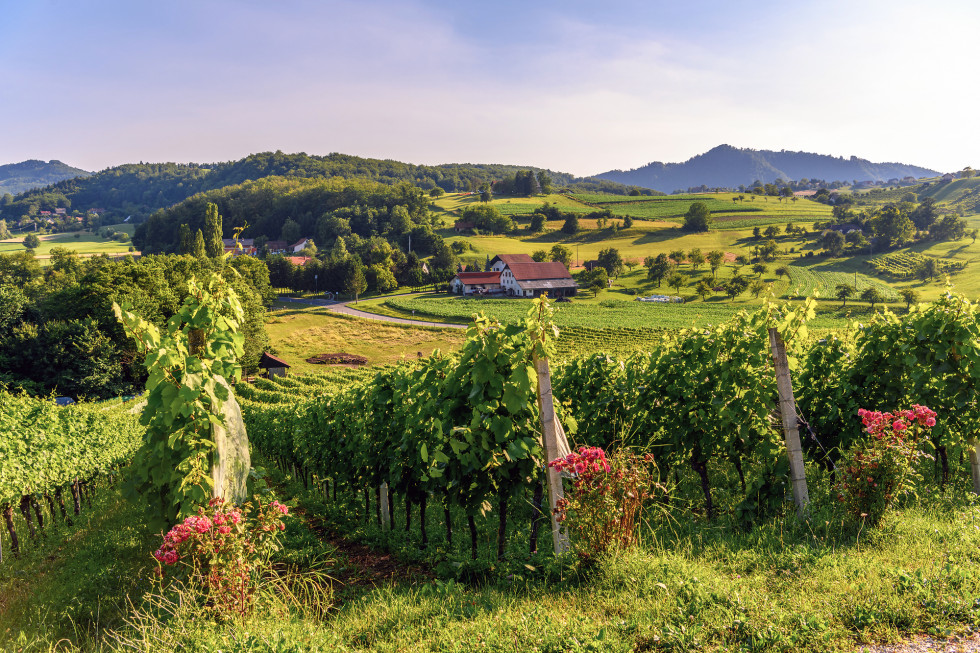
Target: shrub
(878, 470)
(223, 551)
(606, 502)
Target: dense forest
(139, 189)
(58, 333)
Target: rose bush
(224, 549)
(607, 497)
(881, 468)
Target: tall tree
(198, 250)
(212, 232)
(185, 244)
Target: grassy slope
(300, 333)
(786, 585)
(87, 243)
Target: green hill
(19, 177)
(140, 189)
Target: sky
(566, 85)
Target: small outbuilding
(272, 365)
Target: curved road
(345, 308)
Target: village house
(300, 245)
(462, 225)
(247, 246)
(517, 275)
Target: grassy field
(84, 242)
(788, 585)
(300, 333)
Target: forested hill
(140, 189)
(19, 177)
(290, 208)
(730, 167)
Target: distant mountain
(731, 167)
(18, 177)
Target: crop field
(906, 264)
(804, 281)
(607, 314)
(723, 208)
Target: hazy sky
(568, 85)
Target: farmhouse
(231, 246)
(522, 276)
(476, 283)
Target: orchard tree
(677, 256)
(610, 259)
(704, 289)
(32, 241)
(716, 258)
(872, 295)
(539, 255)
(782, 271)
(736, 286)
(676, 280)
(696, 258)
(833, 242)
(843, 291)
(561, 254)
(697, 218)
(910, 297)
(760, 269)
(658, 268)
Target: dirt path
(924, 643)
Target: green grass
(297, 333)
(86, 243)
(787, 585)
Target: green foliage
(31, 241)
(213, 246)
(698, 217)
(189, 367)
(44, 447)
(909, 265)
(488, 218)
(571, 225)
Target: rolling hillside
(730, 167)
(19, 177)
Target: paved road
(347, 309)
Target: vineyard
(610, 314)
(805, 281)
(909, 265)
(462, 430)
(46, 449)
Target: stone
(232, 462)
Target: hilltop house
(517, 275)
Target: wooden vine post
(787, 408)
(383, 501)
(550, 428)
(975, 466)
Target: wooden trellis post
(385, 515)
(787, 408)
(554, 436)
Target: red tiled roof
(536, 271)
(299, 261)
(510, 259)
(470, 278)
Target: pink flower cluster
(878, 424)
(284, 509)
(588, 459)
(196, 525)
